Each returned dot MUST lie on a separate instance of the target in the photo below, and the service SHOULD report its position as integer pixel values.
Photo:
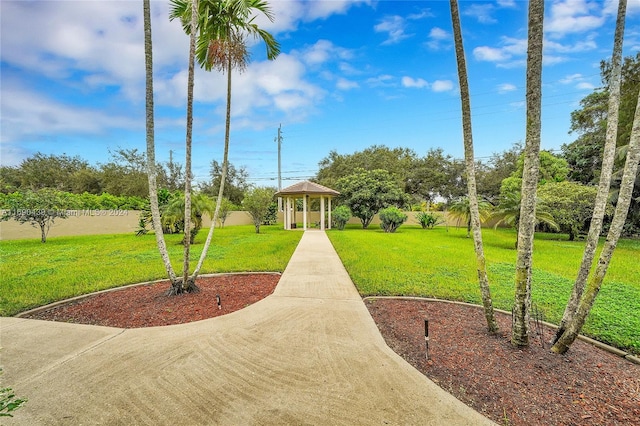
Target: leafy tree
(427, 219)
(38, 208)
(579, 304)
(397, 161)
(391, 218)
(531, 166)
(225, 208)
(509, 207)
(432, 176)
(365, 192)
(235, 185)
(257, 203)
(461, 210)
(570, 203)
(500, 166)
(341, 216)
(126, 173)
(472, 198)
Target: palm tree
(581, 300)
(461, 210)
(223, 25)
(522, 302)
(608, 159)
(174, 215)
(151, 151)
(474, 209)
(507, 212)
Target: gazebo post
(329, 213)
(287, 213)
(322, 212)
(304, 212)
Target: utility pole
(279, 141)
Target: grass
(441, 264)
(432, 263)
(34, 274)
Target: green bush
(340, 216)
(391, 218)
(428, 220)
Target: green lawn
(440, 263)
(434, 263)
(34, 274)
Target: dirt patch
(532, 386)
(149, 306)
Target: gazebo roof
(307, 187)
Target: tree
(341, 216)
(257, 202)
(572, 320)
(391, 219)
(38, 208)
(224, 211)
(526, 229)
(397, 161)
(474, 208)
(222, 26)
(235, 185)
(572, 328)
(500, 166)
(432, 176)
(461, 210)
(570, 204)
(151, 165)
(508, 211)
(365, 192)
(126, 173)
(174, 215)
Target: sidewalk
(309, 354)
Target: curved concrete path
(310, 354)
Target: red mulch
(532, 386)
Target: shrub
(391, 218)
(340, 216)
(428, 220)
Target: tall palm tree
(223, 26)
(594, 284)
(608, 159)
(474, 212)
(151, 150)
(522, 300)
(582, 299)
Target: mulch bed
(531, 386)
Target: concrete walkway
(310, 354)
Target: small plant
(428, 220)
(340, 216)
(391, 218)
(9, 402)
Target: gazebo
(305, 190)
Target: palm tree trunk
(151, 154)
(619, 217)
(223, 177)
(474, 214)
(608, 158)
(522, 302)
(188, 285)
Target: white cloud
(442, 86)
(506, 88)
(438, 38)
(573, 16)
(344, 84)
(585, 86)
(395, 27)
(324, 51)
(490, 54)
(384, 80)
(410, 82)
(482, 12)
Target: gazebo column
(304, 212)
(329, 212)
(287, 213)
(322, 212)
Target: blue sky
(351, 74)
